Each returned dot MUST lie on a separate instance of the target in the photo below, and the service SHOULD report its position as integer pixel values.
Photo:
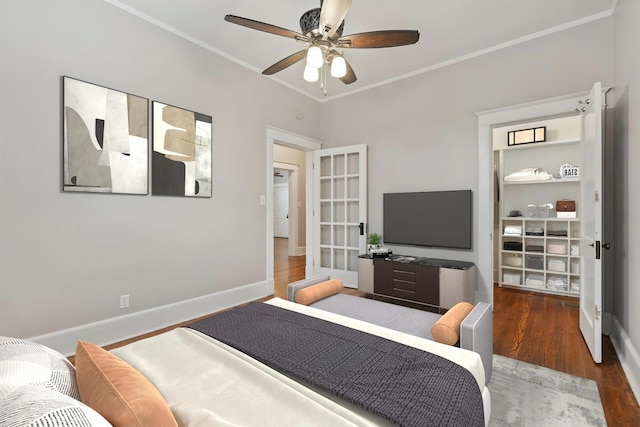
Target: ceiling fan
(322, 31)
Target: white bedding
(206, 382)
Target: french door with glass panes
(340, 211)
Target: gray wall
(626, 240)
(65, 258)
(422, 131)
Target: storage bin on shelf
(558, 265)
(511, 278)
(556, 248)
(535, 261)
(512, 260)
(512, 246)
(539, 211)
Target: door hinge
(596, 314)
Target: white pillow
(24, 362)
(32, 405)
(38, 388)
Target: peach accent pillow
(117, 391)
(318, 291)
(447, 329)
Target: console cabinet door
(428, 285)
(383, 277)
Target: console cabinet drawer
(404, 285)
(413, 282)
(406, 276)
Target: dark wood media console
(428, 283)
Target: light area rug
(523, 394)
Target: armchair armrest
(476, 334)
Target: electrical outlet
(124, 301)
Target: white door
(281, 210)
(591, 225)
(339, 211)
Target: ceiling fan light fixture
(315, 58)
(311, 74)
(338, 66)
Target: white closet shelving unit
(544, 256)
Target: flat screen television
(434, 218)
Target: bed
(275, 399)
(204, 382)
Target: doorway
(556, 249)
(277, 139)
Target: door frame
(487, 120)
(299, 142)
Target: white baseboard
(628, 356)
(301, 250)
(120, 328)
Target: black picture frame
(182, 155)
(527, 136)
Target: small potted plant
(374, 240)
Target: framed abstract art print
(105, 139)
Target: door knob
(607, 246)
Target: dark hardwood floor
(286, 269)
(532, 327)
(544, 330)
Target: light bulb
(311, 74)
(338, 67)
(314, 57)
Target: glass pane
(339, 212)
(352, 260)
(325, 189)
(353, 163)
(353, 236)
(325, 211)
(338, 259)
(353, 190)
(325, 235)
(338, 165)
(325, 257)
(325, 166)
(338, 235)
(353, 212)
(338, 188)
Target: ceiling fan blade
(373, 39)
(350, 77)
(331, 16)
(286, 62)
(267, 28)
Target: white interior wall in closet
(546, 272)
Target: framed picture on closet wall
(527, 136)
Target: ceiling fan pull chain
(323, 80)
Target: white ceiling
(450, 31)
